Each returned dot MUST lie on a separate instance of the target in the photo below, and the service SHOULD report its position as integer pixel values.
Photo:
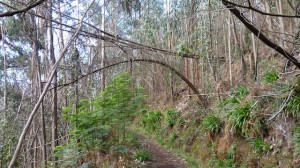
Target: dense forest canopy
(69, 54)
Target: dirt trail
(160, 157)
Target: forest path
(160, 157)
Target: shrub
(293, 106)
(296, 139)
(240, 91)
(99, 124)
(132, 139)
(152, 121)
(211, 123)
(142, 156)
(236, 97)
(171, 117)
(239, 116)
(259, 146)
(172, 137)
(271, 77)
(181, 121)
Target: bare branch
(257, 32)
(282, 107)
(202, 98)
(61, 55)
(22, 10)
(234, 5)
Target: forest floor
(160, 157)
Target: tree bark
(54, 98)
(254, 68)
(229, 49)
(103, 57)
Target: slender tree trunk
(5, 85)
(254, 49)
(62, 45)
(269, 19)
(40, 88)
(229, 48)
(210, 40)
(103, 57)
(54, 98)
(281, 24)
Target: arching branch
(202, 99)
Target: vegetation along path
(160, 157)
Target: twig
(282, 107)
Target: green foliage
(293, 106)
(67, 154)
(232, 151)
(172, 137)
(239, 116)
(14, 27)
(171, 117)
(297, 85)
(98, 124)
(226, 163)
(142, 156)
(132, 139)
(296, 140)
(240, 91)
(8, 140)
(271, 76)
(5, 155)
(182, 50)
(259, 145)
(181, 121)
(118, 101)
(211, 123)
(152, 121)
(120, 148)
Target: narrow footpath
(160, 157)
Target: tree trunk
(269, 19)
(103, 57)
(62, 45)
(54, 98)
(5, 85)
(229, 49)
(254, 68)
(281, 24)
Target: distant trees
(212, 48)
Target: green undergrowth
(98, 128)
(235, 134)
(167, 129)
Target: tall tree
(103, 56)
(54, 98)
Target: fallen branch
(53, 70)
(282, 107)
(258, 33)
